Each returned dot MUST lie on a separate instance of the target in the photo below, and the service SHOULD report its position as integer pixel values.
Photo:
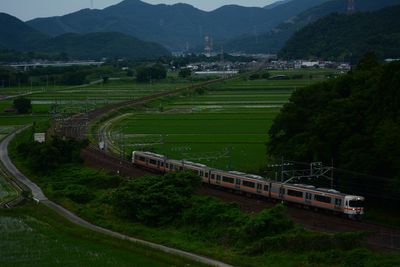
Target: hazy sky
(29, 9)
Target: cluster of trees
(46, 157)
(9, 55)
(22, 105)
(353, 120)
(169, 200)
(12, 77)
(151, 73)
(257, 76)
(344, 37)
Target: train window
(259, 186)
(142, 158)
(338, 202)
(218, 177)
(356, 203)
(308, 196)
(282, 191)
(238, 181)
(206, 174)
(324, 199)
(266, 187)
(228, 180)
(166, 165)
(248, 184)
(172, 167)
(213, 176)
(162, 164)
(152, 161)
(294, 193)
(201, 173)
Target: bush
(147, 74)
(185, 72)
(155, 200)
(22, 105)
(45, 157)
(254, 76)
(78, 193)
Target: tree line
(353, 120)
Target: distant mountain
(174, 26)
(277, 3)
(344, 37)
(275, 39)
(15, 34)
(99, 45)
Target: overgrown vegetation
(22, 105)
(46, 157)
(166, 210)
(353, 120)
(151, 73)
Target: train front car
(354, 207)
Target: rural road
(38, 195)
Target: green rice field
(226, 127)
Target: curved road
(39, 196)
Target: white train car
(305, 195)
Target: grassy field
(89, 96)
(33, 235)
(7, 192)
(226, 126)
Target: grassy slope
(33, 235)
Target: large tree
(22, 105)
(354, 120)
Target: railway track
(382, 237)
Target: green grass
(33, 235)
(236, 138)
(227, 127)
(7, 192)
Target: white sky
(29, 9)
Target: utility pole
(350, 6)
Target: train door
(338, 203)
(218, 179)
(238, 183)
(308, 198)
(259, 188)
(282, 193)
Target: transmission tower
(350, 6)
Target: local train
(304, 195)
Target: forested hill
(100, 45)
(16, 37)
(274, 40)
(174, 26)
(353, 120)
(15, 34)
(346, 37)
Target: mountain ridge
(174, 26)
(344, 37)
(275, 39)
(18, 36)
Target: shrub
(78, 193)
